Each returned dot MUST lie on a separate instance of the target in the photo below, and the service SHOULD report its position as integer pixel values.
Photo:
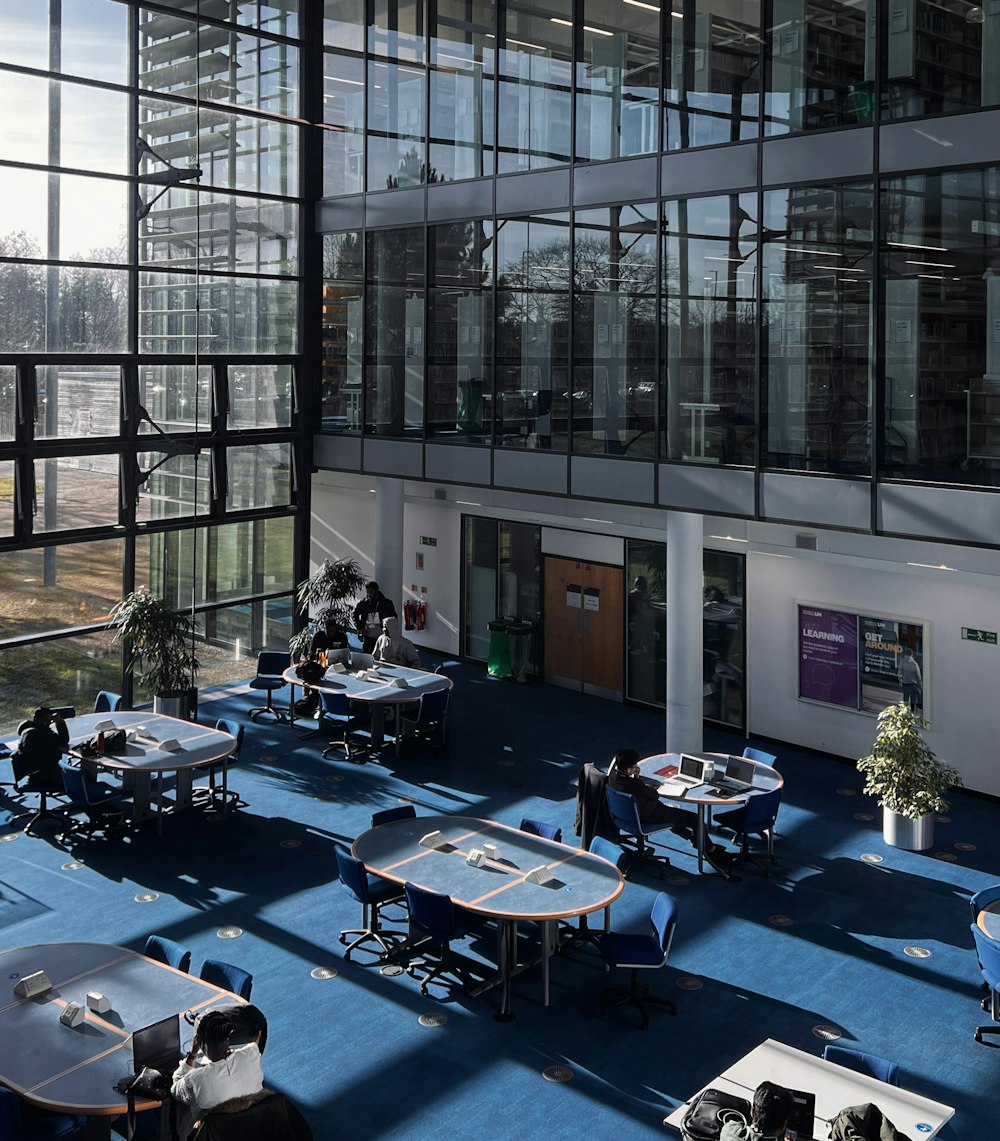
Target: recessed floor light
(147, 897)
(229, 932)
(964, 846)
(689, 982)
(846, 792)
(291, 843)
(780, 920)
(557, 1074)
(864, 817)
(391, 970)
(72, 866)
(917, 952)
(948, 857)
(828, 1033)
(8, 836)
(323, 973)
(678, 881)
(872, 858)
(435, 1019)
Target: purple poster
(828, 656)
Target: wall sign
(573, 595)
(856, 660)
(987, 637)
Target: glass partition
(462, 89)
(64, 671)
(344, 111)
(343, 332)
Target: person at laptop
(222, 1073)
(623, 776)
(769, 1116)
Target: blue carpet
(351, 1051)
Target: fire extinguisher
(409, 614)
(421, 615)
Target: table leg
(506, 955)
(183, 789)
(378, 726)
(97, 1128)
(701, 838)
(291, 706)
(548, 935)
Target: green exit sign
(428, 541)
(987, 637)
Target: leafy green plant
(329, 592)
(159, 639)
(902, 772)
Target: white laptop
(690, 771)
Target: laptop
(803, 1118)
(738, 776)
(690, 771)
(157, 1046)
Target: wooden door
(583, 626)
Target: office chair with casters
(434, 919)
(336, 712)
(624, 810)
(541, 828)
(988, 954)
(210, 795)
(271, 664)
(387, 815)
(430, 722)
(862, 1063)
(760, 757)
(107, 702)
(983, 899)
(21, 1121)
(639, 952)
(165, 950)
(266, 1116)
(99, 802)
(225, 975)
(755, 818)
(373, 894)
(24, 783)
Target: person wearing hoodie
(393, 649)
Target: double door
(583, 626)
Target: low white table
(834, 1086)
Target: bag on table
(310, 672)
(114, 742)
(709, 1111)
(864, 1122)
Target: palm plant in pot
(159, 641)
(906, 778)
(329, 592)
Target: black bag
(113, 743)
(147, 1085)
(311, 672)
(708, 1113)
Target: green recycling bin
(499, 660)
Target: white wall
(441, 575)
(961, 690)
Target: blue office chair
(209, 795)
(760, 757)
(611, 852)
(988, 954)
(624, 810)
(541, 828)
(638, 952)
(100, 803)
(338, 712)
(25, 783)
(165, 950)
(983, 899)
(21, 1121)
(755, 818)
(434, 919)
(387, 815)
(373, 894)
(862, 1063)
(107, 702)
(430, 722)
(228, 977)
(271, 664)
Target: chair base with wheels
(640, 951)
(756, 818)
(270, 666)
(637, 995)
(373, 894)
(434, 920)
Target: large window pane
(397, 128)
(344, 24)
(819, 69)
(66, 671)
(614, 332)
(711, 73)
(618, 80)
(535, 100)
(178, 397)
(646, 644)
(259, 476)
(533, 306)
(8, 401)
(460, 320)
(43, 589)
(942, 326)
(179, 486)
(90, 314)
(723, 638)
(817, 262)
(344, 111)
(231, 637)
(709, 319)
(75, 491)
(91, 40)
(398, 30)
(394, 343)
(462, 89)
(73, 401)
(343, 332)
(260, 396)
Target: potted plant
(329, 592)
(906, 779)
(159, 640)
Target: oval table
(766, 779)
(74, 1069)
(498, 889)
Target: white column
(389, 538)
(685, 597)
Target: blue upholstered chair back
(624, 811)
(431, 912)
(228, 977)
(167, 951)
(761, 811)
(988, 953)
(234, 729)
(609, 851)
(272, 663)
(353, 876)
(663, 920)
(107, 702)
(983, 898)
(82, 789)
(862, 1063)
(542, 828)
(760, 757)
(386, 815)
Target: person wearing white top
(225, 1074)
(393, 649)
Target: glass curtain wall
(150, 282)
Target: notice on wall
(591, 598)
(828, 656)
(573, 595)
(860, 661)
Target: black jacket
(593, 817)
(381, 606)
(273, 1118)
(41, 750)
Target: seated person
(623, 776)
(393, 649)
(331, 637)
(772, 1107)
(224, 1074)
(44, 741)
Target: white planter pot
(902, 832)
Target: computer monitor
(157, 1046)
